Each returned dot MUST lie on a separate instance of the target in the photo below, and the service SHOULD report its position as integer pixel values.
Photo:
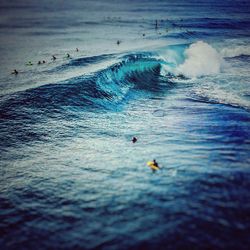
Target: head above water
(134, 139)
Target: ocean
(173, 74)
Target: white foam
(236, 51)
(200, 59)
(220, 94)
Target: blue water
(70, 177)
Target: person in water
(44, 61)
(53, 58)
(134, 139)
(15, 72)
(156, 24)
(156, 163)
(68, 55)
(118, 42)
(39, 62)
(77, 49)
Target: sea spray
(200, 59)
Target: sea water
(177, 80)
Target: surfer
(153, 165)
(134, 139)
(156, 163)
(14, 72)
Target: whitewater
(175, 75)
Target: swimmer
(14, 72)
(77, 49)
(68, 55)
(44, 61)
(53, 58)
(143, 34)
(39, 62)
(118, 42)
(134, 140)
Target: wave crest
(236, 51)
(200, 59)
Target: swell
(106, 90)
(207, 28)
(107, 85)
(84, 61)
(214, 23)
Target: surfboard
(152, 165)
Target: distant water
(71, 178)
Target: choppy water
(71, 178)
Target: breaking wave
(201, 59)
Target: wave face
(104, 91)
(106, 87)
(177, 80)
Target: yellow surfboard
(152, 165)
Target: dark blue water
(70, 177)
